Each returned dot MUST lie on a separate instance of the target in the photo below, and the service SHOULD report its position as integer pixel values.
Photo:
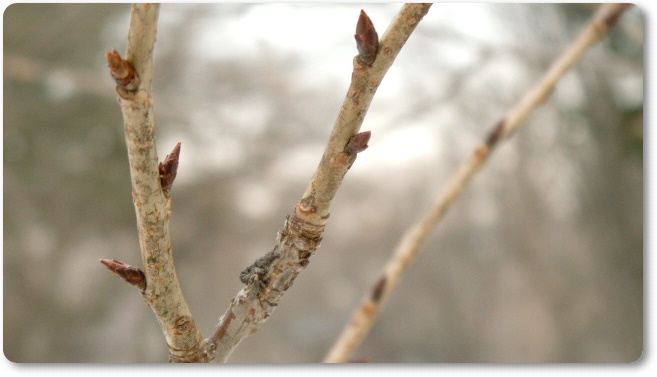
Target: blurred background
(540, 260)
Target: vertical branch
(270, 276)
(409, 247)
(162, 292)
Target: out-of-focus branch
(161, 292)
(270, 276)
(407, 250)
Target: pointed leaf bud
(169, 169)
(122, 71)
(130, 274)
(358, 142)
(367, 40)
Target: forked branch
(409, 247)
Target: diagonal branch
(162, 291)
(409, 247)
(314, 206)
(271, 275)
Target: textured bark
(270, 276)
(162, 291)
(406, 252)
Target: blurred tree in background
(541, 260)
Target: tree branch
(409, 247)
(365, 80)
(162, 292)
(270, 276)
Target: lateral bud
(168, 169)
(614, 13)
(367, 40)
(122, 71)
(358, 143)
(496, 133)
(130, 274)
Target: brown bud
(367, 40)
(614, 14)
(122, 71)
(130, 274)
(168, 169)
(378, 290)
(358, 143)
(495, 134)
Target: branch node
(184, 324)
(367, 40)
(122, 71)
(132, 275)
(168, 169)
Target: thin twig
(270, 276)
(314, 207)
(407, 250)
(162, 291)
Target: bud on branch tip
(367, 40)
(130, 274)
(122, 71)
(169, 169)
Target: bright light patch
(255, 200)
(399, 148)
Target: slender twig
(162, 292)
(314, 207)
(271, 275)
(407, 250)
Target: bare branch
(365, 80)
(162, 291)
(270, 276)
(409, 247)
